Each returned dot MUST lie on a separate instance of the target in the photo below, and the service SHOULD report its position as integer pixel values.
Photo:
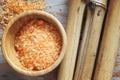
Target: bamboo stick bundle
(73, 28)
(89, 54)
(83, 45)
(110, 42)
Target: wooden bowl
(8, 38)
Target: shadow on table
(7, 73)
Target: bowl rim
(55, 64)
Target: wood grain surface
(59, 9)
(116, 72)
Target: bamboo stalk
(110, 42)
(92, 46)
(83, 45)
(74, 23)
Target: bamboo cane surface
(59, 9)
(110, 42)
(73, 29)
(83, 45)
(93, 41)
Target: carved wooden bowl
(8, 39)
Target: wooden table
(59, 9)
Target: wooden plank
(59, 7)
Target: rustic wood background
(58, 8)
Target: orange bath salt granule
(38, 45)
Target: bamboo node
(101, 3)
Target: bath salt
(38, 44)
